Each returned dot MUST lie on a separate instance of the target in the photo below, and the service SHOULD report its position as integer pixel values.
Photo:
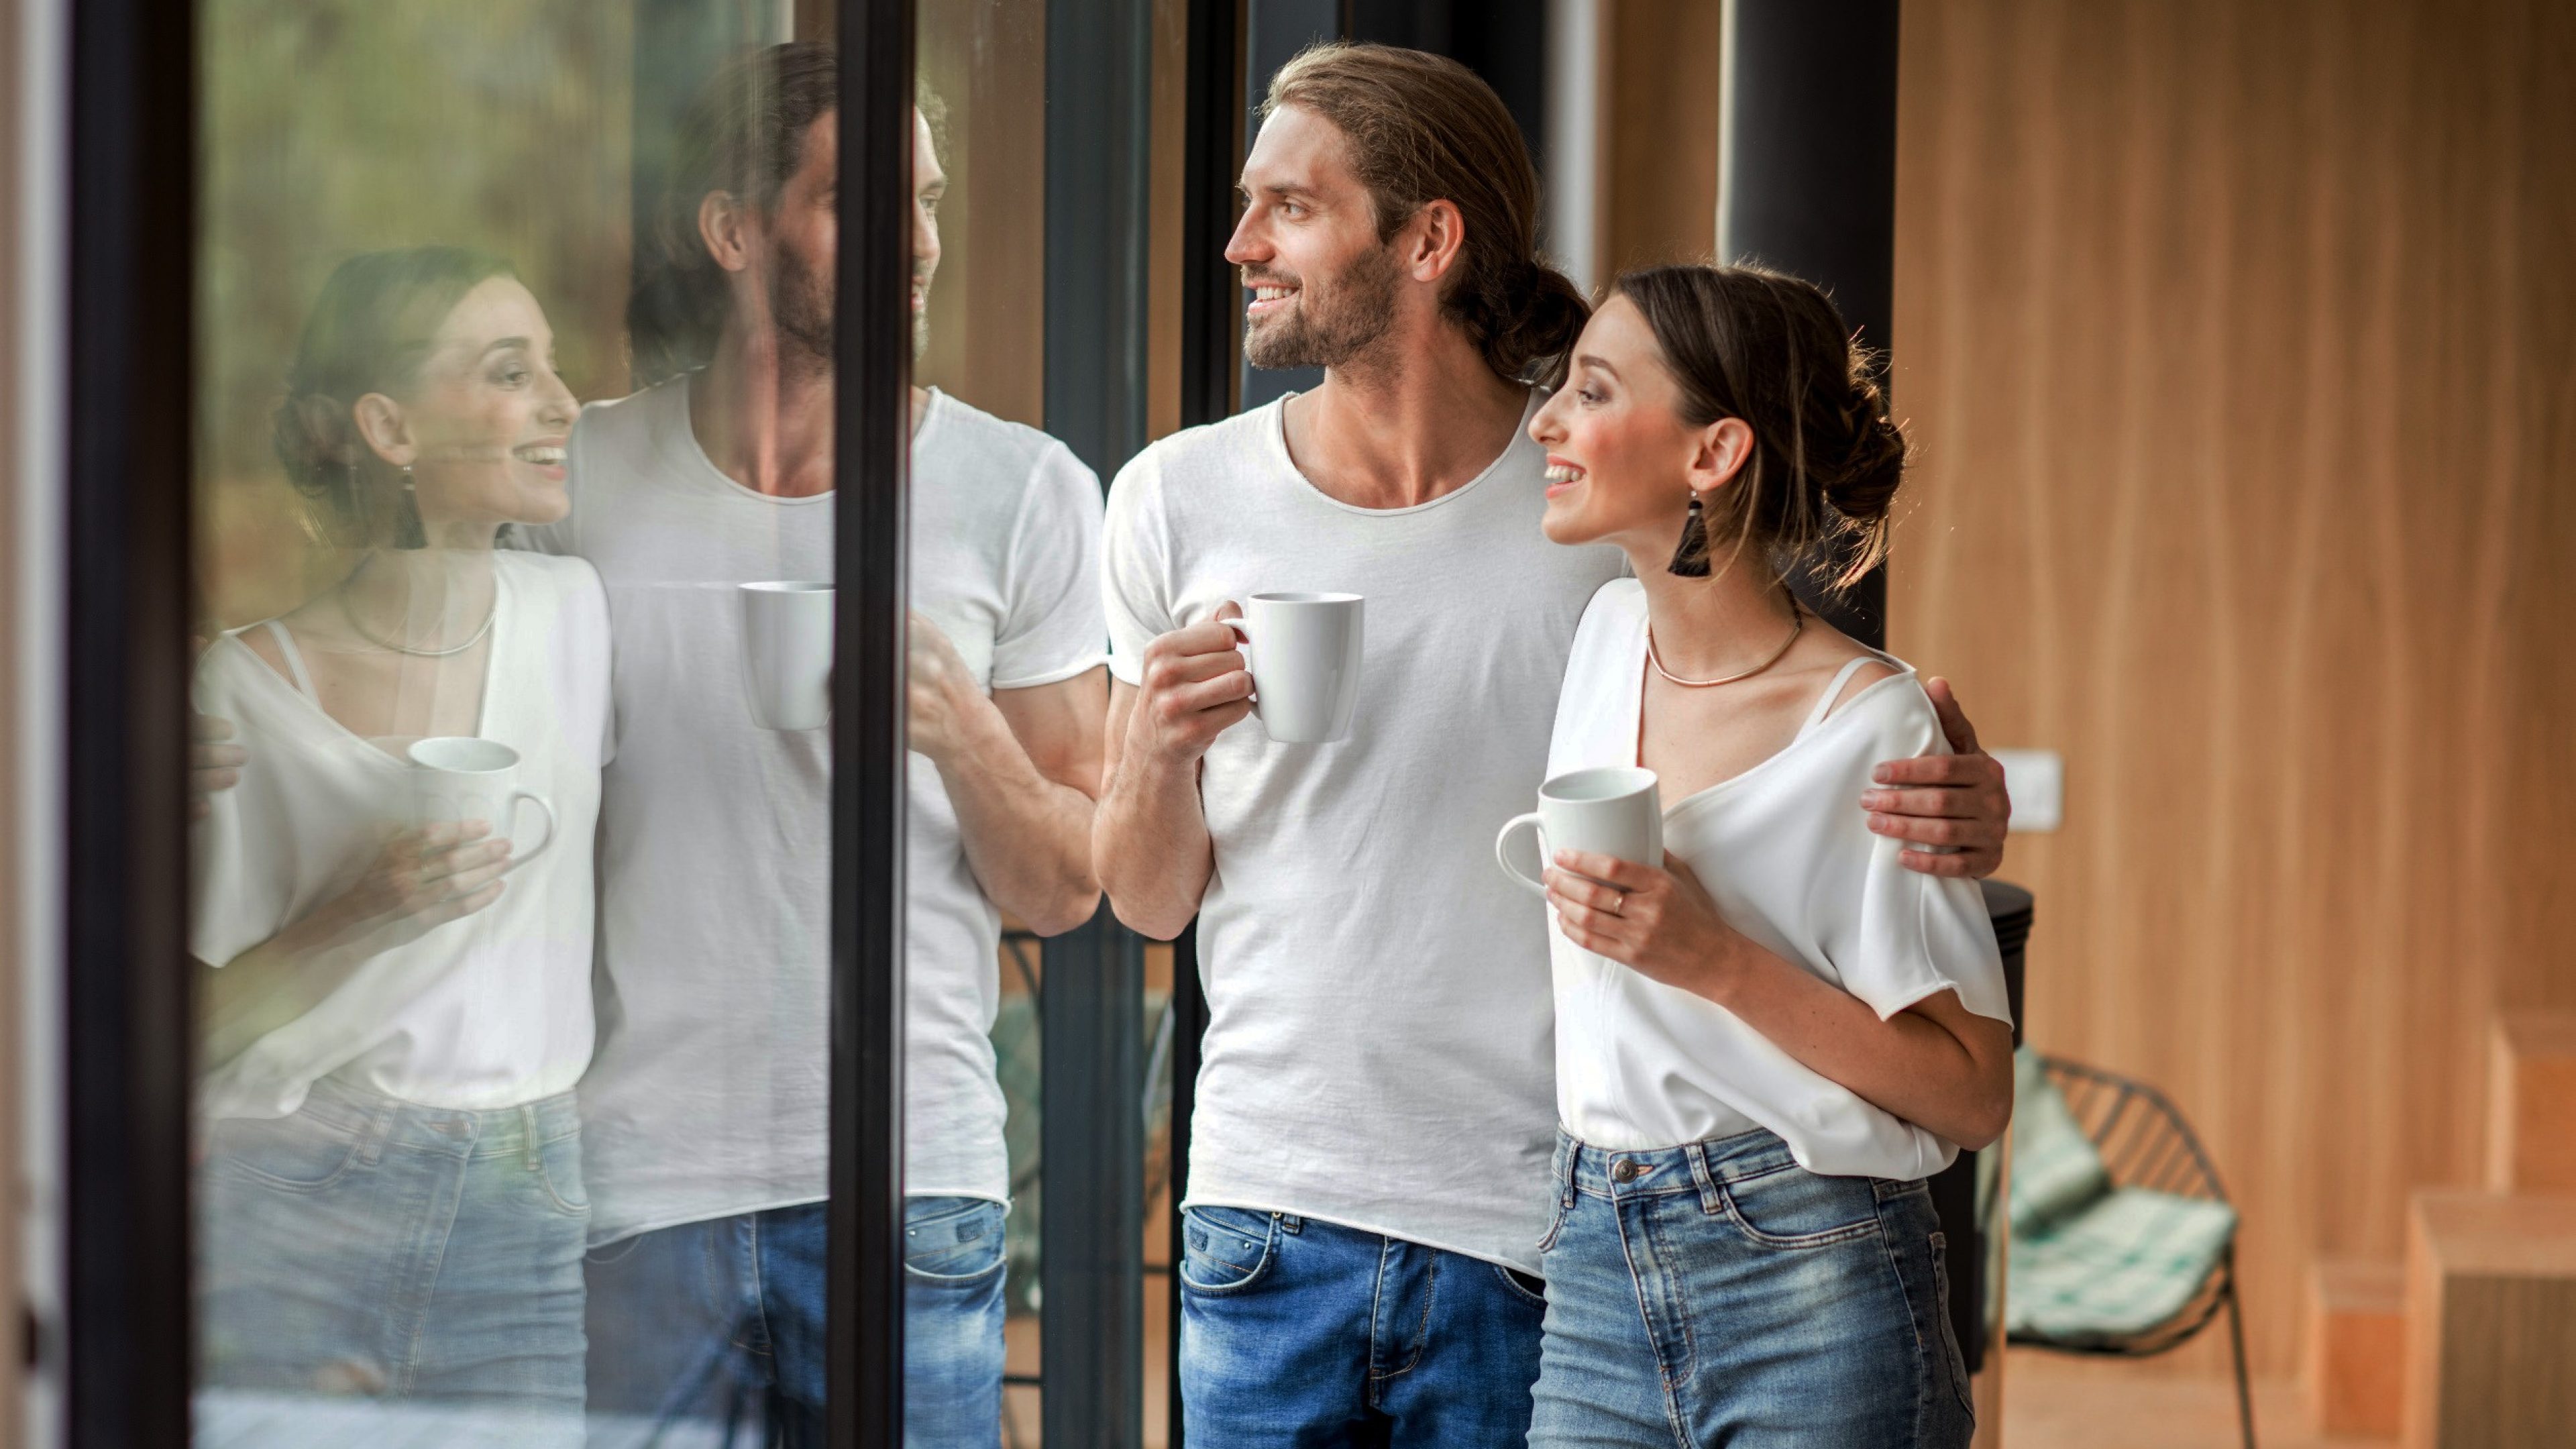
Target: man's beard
(921, 319)
(1328, 328)
(801, 305)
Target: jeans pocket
(1523, 1286)
(1224, 1249)
(559, 1174)
(299, 1153)
(1790, 1207)
(953, 1240)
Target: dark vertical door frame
(1099, 119)
(1215, 123)
(128, 355)
(872, 449)
(1807, 179)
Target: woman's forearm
(1936, 1064)
(271, 984)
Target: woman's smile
(1563, 474)
(546, 455)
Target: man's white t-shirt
(1379, 1042)
(1791, 864)
(710, 1092)
(489, 1010)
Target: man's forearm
(1027, 838)
(1151, 844)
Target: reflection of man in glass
(708, 1100)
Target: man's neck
(1405, 428)
(764, 418)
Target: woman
(1765, 1047)
(396, 1016)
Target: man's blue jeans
(1719, 1293)
(1302, 1333)
(721, 1323)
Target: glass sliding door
(580, 924)
(485, 944)
(1037, 1056)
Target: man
(1374, 1112)
(707, 1102)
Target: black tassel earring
(1690, 556)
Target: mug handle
(1503, 857)
(513, 812)
(1243, 634)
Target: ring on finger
(1619, 904)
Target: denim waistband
(389, 1122)
(1701, 1167)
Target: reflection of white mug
(1304, 654)
(456, 778)
(1616, 810)
(787, 654)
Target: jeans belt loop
(528, 1124)
(1712, 1198)
(1573, 1161)
(380, 1126)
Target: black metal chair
(2145, 1143)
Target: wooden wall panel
(2236, 340)
(1659, 98)
(986, 61)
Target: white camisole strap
(294, 658)
(1834, 691)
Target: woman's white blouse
(492, 1010)
(1786, 851)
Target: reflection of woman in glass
(392, 1188)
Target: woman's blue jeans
(373, 1248)
(1718, 1293)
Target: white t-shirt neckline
(677, 433)
(1276, 436)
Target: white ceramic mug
(787, 653)
(1304, 654)
(456, 778)
(1614, 810)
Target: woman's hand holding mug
(422, 878)
(1660, 923)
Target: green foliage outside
(331, 127)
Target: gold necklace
(1797, 625)
(351, 614)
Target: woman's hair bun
(1861, 484)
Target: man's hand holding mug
(1196, 686)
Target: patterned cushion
(2055, 1171)
(2130, 1261)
